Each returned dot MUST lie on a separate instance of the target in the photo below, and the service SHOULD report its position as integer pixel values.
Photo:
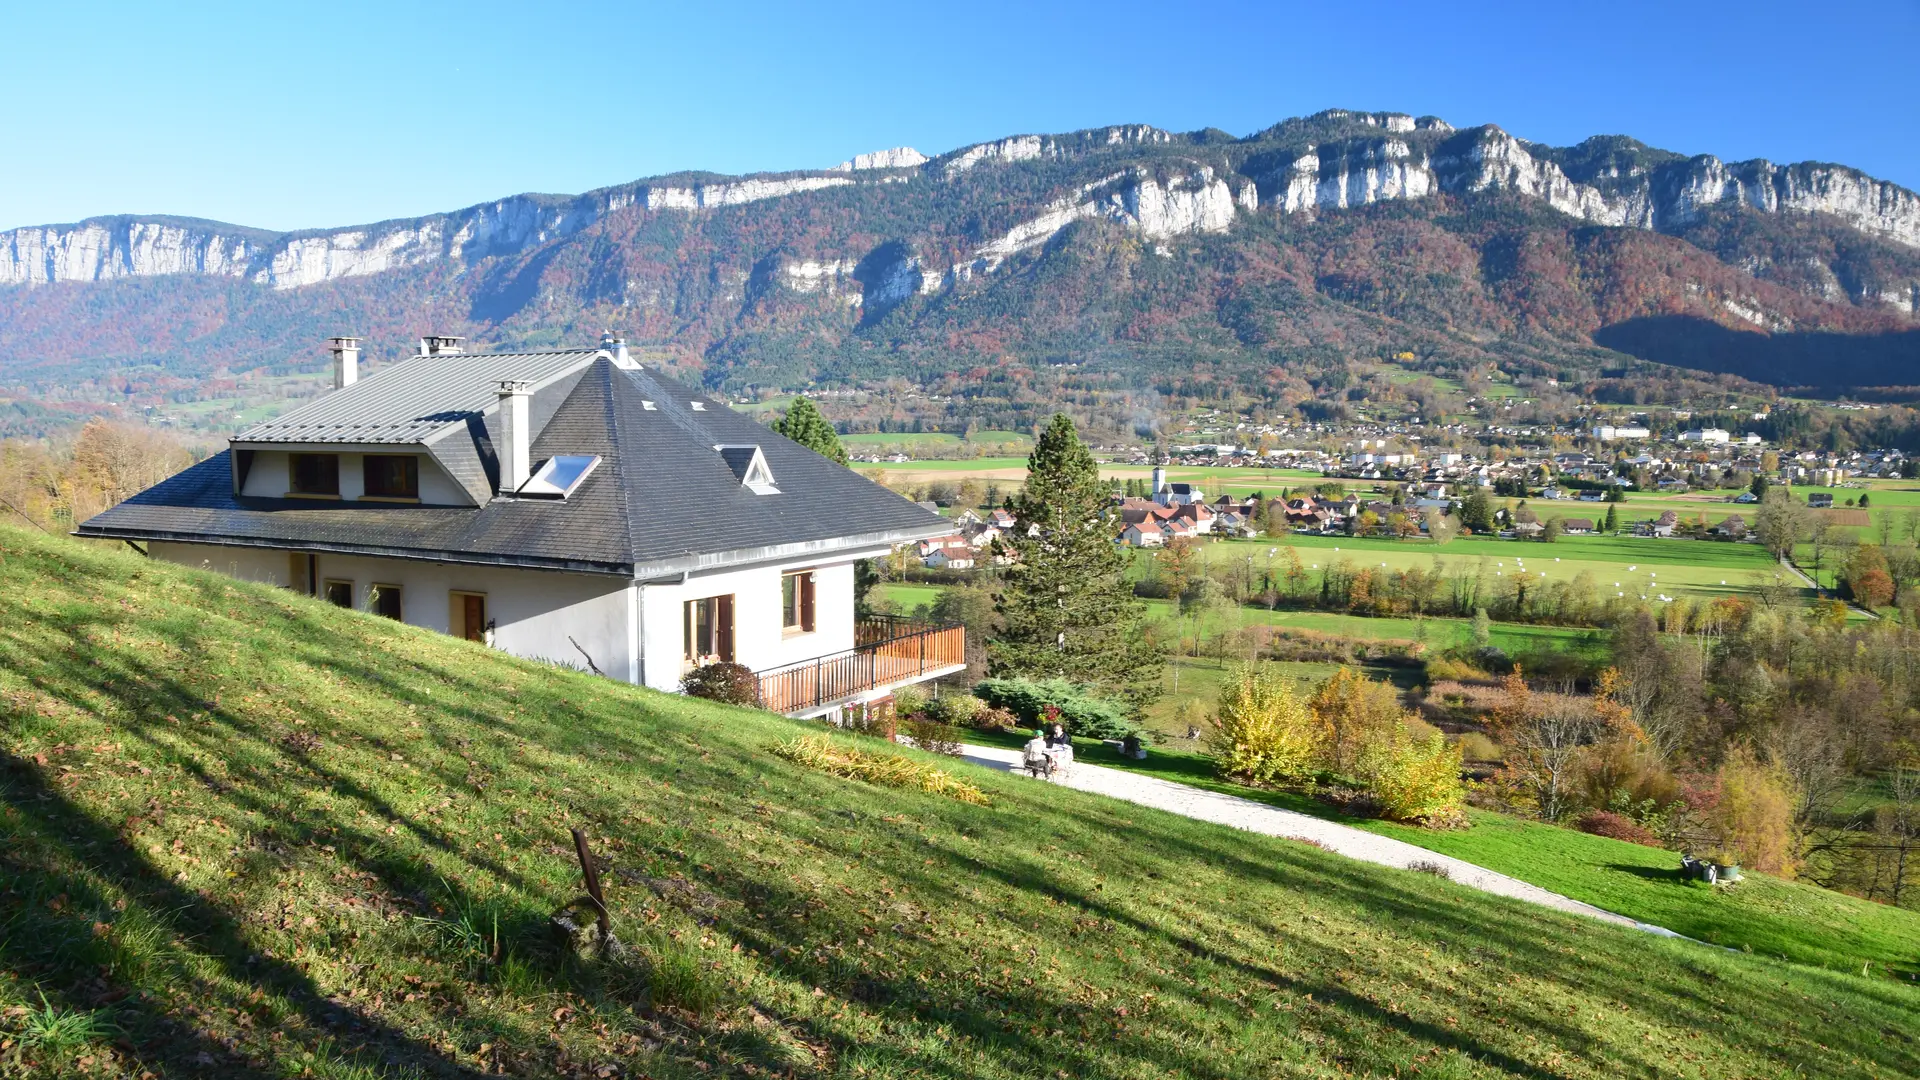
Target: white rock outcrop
(1154, 205)
(734, 193)
(105, 250)
(900, 157)
(1358, 172)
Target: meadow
(1634, 566)
(248, 834)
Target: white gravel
(1258, 817)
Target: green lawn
(247, 834)
(906, 597)
(1762, 915)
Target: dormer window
(391, 476)
(749, 465)
(313, 475)
(559, 475)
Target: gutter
(671, 566)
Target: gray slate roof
(412, 401)
(663, 501)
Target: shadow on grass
(1674, 875)
(73, 884)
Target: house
(1195, 515)
(1001, 519)
(1143, 534)
(1664, 524)
(1746, 497)
(1527, 530)
(1707, 435)
(1576, 526)
(951, 552)
(540, 502)
(1610, 432)
(949, 559)
(1820, 500)
(1734, 527)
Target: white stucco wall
(633, 632)
(534, 611)
(267, 478)
(759, 641)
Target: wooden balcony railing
(886, 650)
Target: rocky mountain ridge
(1144, 262)
(1326, 162)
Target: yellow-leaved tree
(1355, 712)
(1264, 731)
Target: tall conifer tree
(1067, 608)
(804, 425)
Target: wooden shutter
(806, 602)
(723, 627)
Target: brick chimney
(514, 436)
(346, 361)
(441, 345)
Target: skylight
(560, 475)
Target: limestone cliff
(1157, 183)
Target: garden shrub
(908, 700)
(956, 710)
(1083, 713)
(1264, 731)
(1616, 826)
(929, 734)
(728, 683)
(1415, 781)
(878, 719)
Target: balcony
(887, 652)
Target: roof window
(559, 475)
(749, 465)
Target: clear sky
(298, 115)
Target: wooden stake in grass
(594, 896)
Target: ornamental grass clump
(886, 770)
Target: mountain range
(1123, 260)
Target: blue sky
(300, 115)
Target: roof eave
(742, 558)
(466, 558)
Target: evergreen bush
(1083, 713)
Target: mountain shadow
(1821, 359)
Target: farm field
(1640, 566)
(1001, 442)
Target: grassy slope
(224, 807)
(1765, 915)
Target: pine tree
(1612, 523)
(804, 425)
(1066, 606)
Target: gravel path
(1203, 805)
